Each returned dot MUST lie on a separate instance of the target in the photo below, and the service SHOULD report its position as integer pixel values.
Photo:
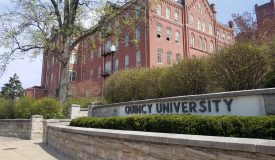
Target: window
(210, 29)
(199, 25)
(159, 56)
(168, 34)
(191, 21)
(138, 35)
(73, 58)
(218, 33)
(200, 8)
(83, 75)
(83, 58)
(204, 44)
(99, 72)
(53, 61)
(108, 46)
(223, 36)
(126, 61)
(138, 58)
(159, 30)
(52, 78)
(72, 75)
(168, 13)
(178, 57)
(177, 36)
(176, 16)
(158, 9)
(200, 43)
(91, 74)
(169, 57)
(211, 47)
(138, 11)
(92, 54)
(229, 38)
(203, 26)
(108, 67)
(126, 39)
(116, 64)
(192, 40)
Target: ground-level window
(72, 75)
(138, 58)
(169, 57)
(160, 56)
(126, 61)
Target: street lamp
(113, 51)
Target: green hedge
(227, 126)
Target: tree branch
(57, 13)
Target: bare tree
(248, 30)
(56, 27)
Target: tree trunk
(63, 87)
(63, 84)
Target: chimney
(231, 24)
(213, 7)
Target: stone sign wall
(22, 128)
(88, 143)
(244, 103)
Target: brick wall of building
(155, 50)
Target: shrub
(269, 80)
(238, 67)
(185, 78)
(135, 84)
(47, 107)
(228, 126)
(22, 108)
(6, 109)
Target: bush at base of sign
(228, 126)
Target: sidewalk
(18, 149)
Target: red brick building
(266, 17)
(171, 30)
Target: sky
(29, 70)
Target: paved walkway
(18, 149)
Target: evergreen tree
(13, 89)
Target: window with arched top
(191, 20)
(176, 16)
(158, 10)
(203, 26)
(159, 30)
(192, 40)
(200, 43)
(168, 34)
(210, 29)
(199, 24)
(204, 44)
(177, 36)
(211, 47)
(168, 13)
(169, 57)
(159, 56)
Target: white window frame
(167, 13)
(177, 37)
(126, 62)
(168, 34)
(169, 58)
(138, 58)
(159, 55)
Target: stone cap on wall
(266, 91)
(226, 143)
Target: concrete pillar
(74, 111)
(91, 108)
(36, 126)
